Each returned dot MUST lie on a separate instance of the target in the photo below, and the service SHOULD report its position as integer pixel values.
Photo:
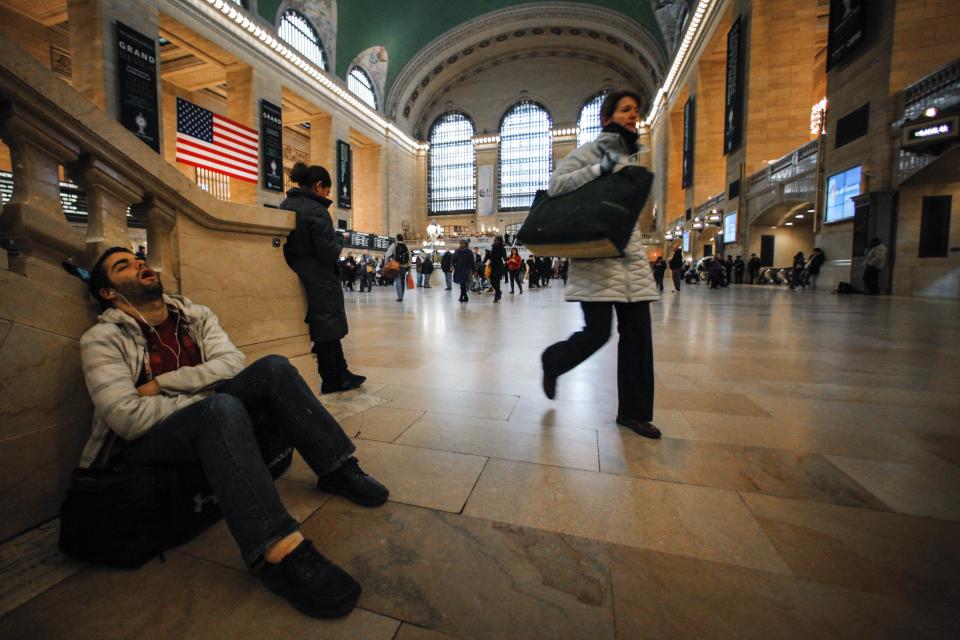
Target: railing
(711, 202)
(798, 162)
(940, 89)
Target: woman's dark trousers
(516, 279)
(659, 281)
(463, 291)
(331, 363)
(634, 353)
(496, 277)
(677, 274)
(220, 433)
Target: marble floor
(807, 484)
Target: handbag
(410, 284)
(487, 271)
(391, 269)
(594, 221)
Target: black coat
(427, 267)
(446, 262)
(498, 259)
(676, 260)
(815, 263)
(312, 250)
(463, 266)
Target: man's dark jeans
(219, 431)
(634, 352)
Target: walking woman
(676, 268)
(312, 251)
(464, 265)
(497, 256)
(515, 267)
(398, 251)
(602, 285)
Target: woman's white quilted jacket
(625, 279)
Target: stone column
(93, 45)
(109, 195)
(245, 88)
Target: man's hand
(149, 389)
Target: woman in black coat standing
(498, 259)
(463, 267)
(312, 251)
(676, 268)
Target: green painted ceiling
(407, 26)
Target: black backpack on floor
(124, 515)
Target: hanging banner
(271, 146)
(848, 23)
(689, 135)
(344, 175)
(485, 190)
(733, 116)
(137, 85)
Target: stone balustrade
(220, 254)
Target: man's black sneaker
(346, 382)
(351, 482)
(311, 583)
(352, 380)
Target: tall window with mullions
(452, 161)
(588, 124)
(526, 154)
(296, 30)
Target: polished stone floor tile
(412, 632)
(837, 439)
(930, 488)
(380, 423)
(789, 474)
(564, 413)
(716, 402)
(480, 405)
(556, 446)
(905, 556)
(659, 595)
(421, 477)
(182, 597)
(30, 564)
(468, 577)
(701, 522)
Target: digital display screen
(841, 187)
(730, 227)
(686, 242)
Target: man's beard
(138, 293)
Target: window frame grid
(366, 85)
(302, 36)
(583, 132)
(450, 147)
(544, 176)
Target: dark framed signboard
(733, 113)
(689, 136)
(271, 146)
(848, 27)
(137, 84)
(344, 175)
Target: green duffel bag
(594, 221)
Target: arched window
(362, 86)
(526, 154)
(300, 34)
(452, 185)
(589, 120)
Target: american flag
(210, 141)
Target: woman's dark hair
(399, 237)
(609, 105)
(99, 279)
(498, 240)
(514, 251)
(306, 176)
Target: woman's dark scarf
(629, 137)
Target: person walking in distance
(426, 269)
(738, 266)
(728, 268)
(873, 264)
(753, 268)
(605, 285)
(368, 267)
(312, 251)
(464, 266)
(497, 260)
(532, 272)
(398, 251)
(676, 268)
(446, 266)
(515, 267)
(659, 269)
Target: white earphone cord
(176, 354)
